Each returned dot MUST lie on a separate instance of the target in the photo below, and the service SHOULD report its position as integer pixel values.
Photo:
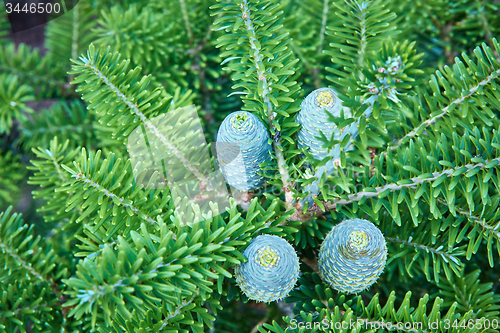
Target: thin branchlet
(446, 110)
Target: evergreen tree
(362, 138)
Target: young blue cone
(242, 145)
(314, 119)
(352, 256)
(271, 271)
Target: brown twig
(311, 263)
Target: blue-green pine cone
(271, 271)
(352, 256)
(313, 118)
(242, 131)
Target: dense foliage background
(429, 69)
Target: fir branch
(324, 17)
(445, 111)
(4, 28)
(186, 20)
(362, 36)
(29, 308)
(446, 255)
(19, 260)
(81, 177)
(150, 265)
(32, 69)
(151, 272)
(22, 303)
(135, 109)
(381, 191)
(177, 311)
(258, 61)
(271, 70)
(488, 227)
(365, 24)
(56, 164)
(68, 35)
(433, 156)
(36, 77)
(58, 129)
(49, 176)
(26, 258)
(488, 34)
(325, 305)
(353, 41)
(12, 172)
(412, 182)
(477, 220)
(470, 294)
(66, 120)
(334, 156)
(122, 204)
(144, 37)
(75, 32)
(13, 97)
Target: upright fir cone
(271, 271)
(314, 120)
(352, 256)
(242, 132)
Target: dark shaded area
(27, 14)
(34, 36)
